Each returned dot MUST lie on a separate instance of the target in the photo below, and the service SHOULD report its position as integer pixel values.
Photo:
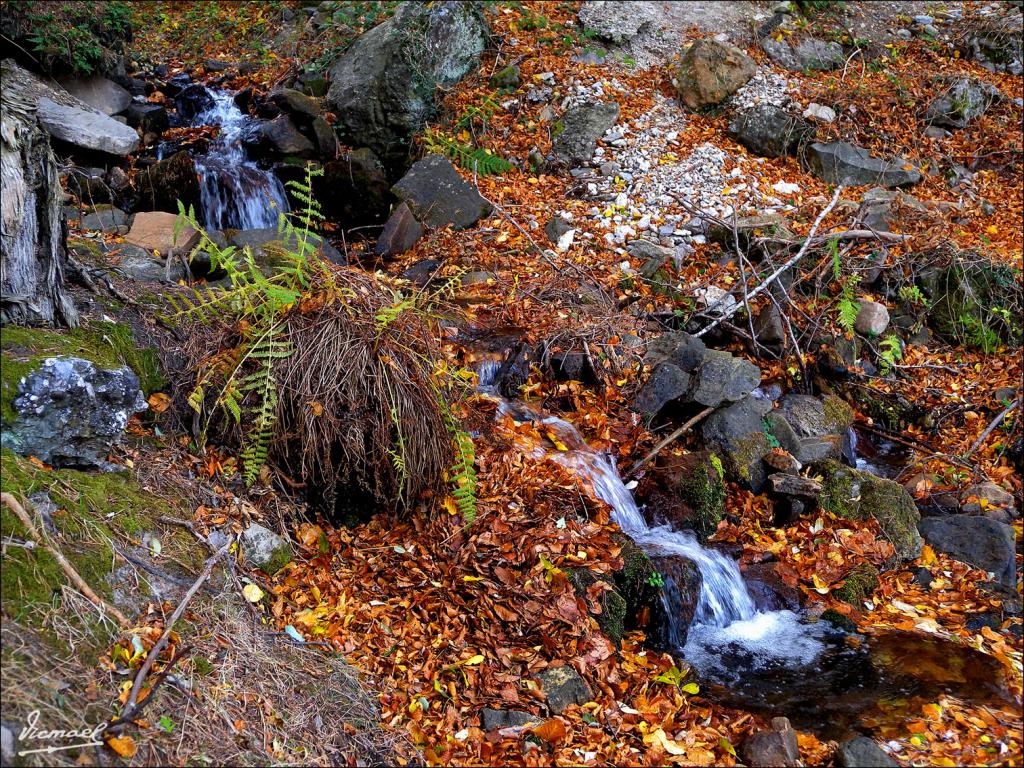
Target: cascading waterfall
(723, 597)
(235, 192)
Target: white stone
(820, 112)
(786, 187)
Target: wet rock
(326, 141)
(972, 286)
(571, 365)
(576, 134)
(963, 101)
(615, 22)
(769, 131)
(806, 55)
(862, 752)
(71, 413)
(149, 118)
(685, 491)
(401, 233)
(872, 318)
(295, 102)
(283, 137)
(858, 586)
(666, 384)
(563, 687)
(857, 495)
(736, 433)
(154, 231)
(710, 72)
(723, 378)
(98, 92)
(264, 549)
(192, 101)
(769, 328)
(163, 184)
(680, 593)
(768, 749)
(794, 485)
(438, 196)
(384, 86)
(354, 189)
(978, 541)
(768, 588)
(105, 218)
(842, 163)
(494, 719)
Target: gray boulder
(438, 196)
(576, 134)
(494, 719)
(772, 748)
(401, 232)
(769, 131)
(806, 55)
(960, 103)
(857, 495)
(679, 348)
(264, 549)
(86, 129)
(723, 378)
(563, 687)
(840, 163)
(667, 383)
(978, 541)
(811, 429)
(710, 72)
(71, 413)
(872, 318)
(616, 22)
(737, 434)
(384, 87)
(284, 138)
(98, 92)
(295, 102)
(139, 264)
(105, 218)
(266, 245)
(862, 752)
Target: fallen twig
(991, 427)
(677, 433)
(132, 704)
(789, 263)
(19, 511)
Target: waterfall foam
(235, 192)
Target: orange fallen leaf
(551, 731)
(159, 402)
(124, 746)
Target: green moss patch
(859, 584)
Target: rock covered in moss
(71, 413)
(811, 429)
(737, 434)
(264, 549)
(859, 584)
(687, 491)
(858, 495)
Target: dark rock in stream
(776, 747)
(192, 101)
(149, 118)
(401, 232)
(355, 192)
(163, 184)
(687, 492)
(737, 434)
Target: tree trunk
(32, 237)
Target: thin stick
(678, 433)
(69, 569)
(789, 263)
(991, 427)
(131, 705)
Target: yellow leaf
(252, 593)
(472, 578)
(472, 661)
(159, 402)
(691, 688)
(928, 556)
(449, 505)
(124, 746)
(819, 586)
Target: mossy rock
(94, 510)
(859, 585)
(107, 344)
(973, 298)
(836, 619)
(687, 491)
(858, 495)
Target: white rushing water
(235, 192)
(726, 620)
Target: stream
(824, 679)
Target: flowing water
(235, 192)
